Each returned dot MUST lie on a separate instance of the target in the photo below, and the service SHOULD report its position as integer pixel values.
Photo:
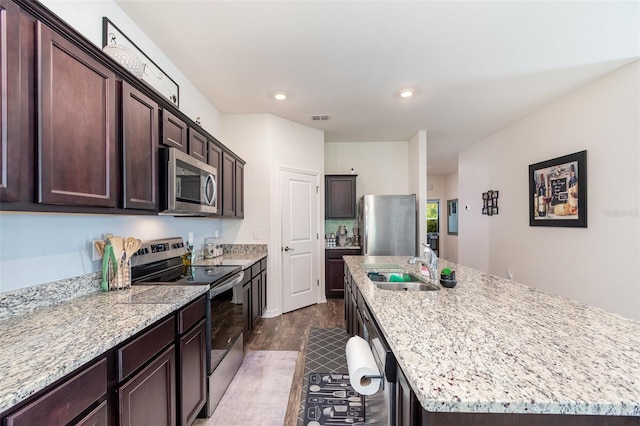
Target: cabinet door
(340, 196)
(228, 185)
(334, 276)
(246, 307)
(256, 284)
(139, 149)
(149, 398)
(215, 160)
(174, 131)
(408, 409)
(192, 373)
(10, 111)
(239, 190)
(198, 145)
(76, 113)
(263, 292)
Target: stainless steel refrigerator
(387, 225)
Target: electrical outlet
(256, 234)
(94, 253)
(510, 274)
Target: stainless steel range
(159, 262)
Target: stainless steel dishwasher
(380, 407)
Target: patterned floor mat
(331, 400)
(324, 352)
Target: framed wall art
(490, 202)
(150, 72)
(558, 191)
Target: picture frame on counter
(558, 191)
(152, 74)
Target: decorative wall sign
(558, 191)
(490, 202)
(151, 73)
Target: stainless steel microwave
(188, 187)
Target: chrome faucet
(432, 265)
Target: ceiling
(476, 66)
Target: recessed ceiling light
(280, 96)
(407, 93)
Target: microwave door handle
(208, 181)
(237, 279)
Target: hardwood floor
(289, 332)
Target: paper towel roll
(361, 363)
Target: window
(452, 217)
(433, 214)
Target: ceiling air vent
(320, 117)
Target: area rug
(331, 400)
(259, 393)
(324, 352)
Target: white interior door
(299, 204)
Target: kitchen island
(490, 345)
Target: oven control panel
(155, 250)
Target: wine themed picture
(558, 191)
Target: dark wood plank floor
(289, 332)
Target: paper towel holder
(368, 380)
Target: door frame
(319, 258)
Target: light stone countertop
(237, 259)
(494, 345)
(42, 346)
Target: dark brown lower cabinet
(66, 401)
(263, 286)
(149, 398)
(254, 290)
(334, 271)
(256, 284)
(408, 408)
(192, 373)
(97, 417)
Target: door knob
(287, 248)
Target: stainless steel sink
(411, 286)
(400, 281)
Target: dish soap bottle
(431, 258)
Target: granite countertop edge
(456, 346)
(47, 344)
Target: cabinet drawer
(263, 264)
(66, 401)
(97, 417)
(255, 269)
(190, 315)
(134, 354)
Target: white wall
(382, 167)
(418, 182)
(578, 263)
(36, 248)
(268, 143)
(450, 251)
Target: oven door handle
(232, 282)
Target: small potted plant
(448, 278)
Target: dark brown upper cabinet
(228, 185)
(174, 131)
(139, 149)
(198, 145)
(10, 146)
(239, 189)
(232, 186)
(215, 160)
(76, 113)
(340, 196)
